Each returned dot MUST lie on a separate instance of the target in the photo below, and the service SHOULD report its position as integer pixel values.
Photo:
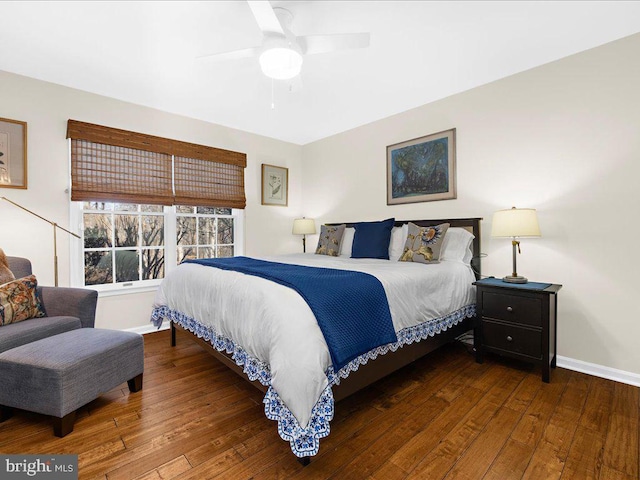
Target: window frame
(170, 250)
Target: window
(132, 245)
(146, 203)
(204, 232)
(123, 243)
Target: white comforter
(274, 324)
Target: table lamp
(515, 223)
(304, 226)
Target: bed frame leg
(304, 461)
(173, 334)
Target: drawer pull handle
(509, 309)
(509, 338)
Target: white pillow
(398, 239)
(457, 245)
(347, 241)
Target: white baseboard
(149, 328)
(599, 371)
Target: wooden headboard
(470, 224)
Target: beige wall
(563, 138)
(47, 107)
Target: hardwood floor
(444, 417)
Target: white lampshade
(304, 226)
(515, 222)
(281, 62)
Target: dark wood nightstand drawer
(521, 340)
(512, 308)
(517, 320)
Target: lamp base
(516, 279)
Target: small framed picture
(13, 153)
(275, 185)
(422, 169)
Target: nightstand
(518, 321)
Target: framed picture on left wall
(275, 185)
(13, 153)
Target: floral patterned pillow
(330, 240)
(424, 243)
(20, 301)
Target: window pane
(183, 209)
(225, 231)
(226, 251)
(97, 268)
(223, 211)
(186, 253)
(205, 252)
(97, 206)
(126, 230)
(152, 263)
(125, 207)
(206, 210)
(206, 231)
(97, 230)
(186, 230)
(127, 265)
(152, 230)
(152, 208)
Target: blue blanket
(351, 307)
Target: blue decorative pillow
(371, 239)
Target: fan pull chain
(273, 102)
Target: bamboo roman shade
(108, 164)
(201, 182)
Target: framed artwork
(275, 185)
(422, 169)
(13, 153)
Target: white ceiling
(145, 52)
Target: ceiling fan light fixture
(280, 62)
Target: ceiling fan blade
(312, 44)
(232, 55)
(266, 17)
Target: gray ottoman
(59, 374)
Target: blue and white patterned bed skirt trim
(252, 367)
(305, 441)
(406, 336)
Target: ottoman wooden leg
(135, 384)
(5, 413)
(64, 426)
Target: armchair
(55, 364)
(66, 308)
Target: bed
(273, 334)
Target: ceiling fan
(281, 53)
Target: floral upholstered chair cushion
(330, 240)
(19, 301)
(424, 243)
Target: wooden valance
(150, 143)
